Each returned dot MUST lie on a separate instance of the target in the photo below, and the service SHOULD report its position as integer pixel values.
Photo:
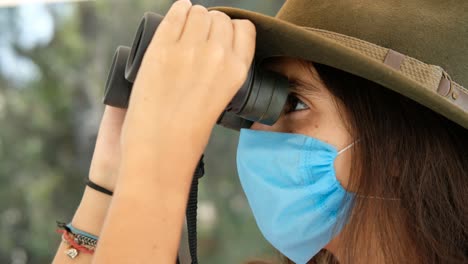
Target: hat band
(430, 76)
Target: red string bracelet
(72, 243)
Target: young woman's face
(313, 112)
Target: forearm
(145, 220)
(89, 217)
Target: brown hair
(412, 163)
(407, 152)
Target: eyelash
(293, 101)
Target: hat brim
(276, 37)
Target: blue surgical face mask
(291, 186)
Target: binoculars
(261, 98)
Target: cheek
(325, 126)
(319, 127)
(330, 130)
(302, 123)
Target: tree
(50, 125)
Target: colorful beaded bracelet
(79, 241)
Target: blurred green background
(54, 61)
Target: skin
(199, 49)
(91, 212)
(192, 52)
(318, 118)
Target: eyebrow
(300, 86)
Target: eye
(294, 104)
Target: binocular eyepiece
(260, 99)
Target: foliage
(50, 124)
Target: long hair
(410, 174)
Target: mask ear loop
(348, 147)
(378, 198)
(364, 196)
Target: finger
(112, 121)
(197, 25)
(244, 39)
(172, 25)
(221, 29)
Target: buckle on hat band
(445, 85)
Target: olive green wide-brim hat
(418, 48)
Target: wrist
(92, 211)
(104, 178)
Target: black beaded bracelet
(98, 188)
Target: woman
(395, 176)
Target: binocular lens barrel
(232, 121)
(118, 88)
(260, 99)
(148, 25)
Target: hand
(106, 157)
(195, 64)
